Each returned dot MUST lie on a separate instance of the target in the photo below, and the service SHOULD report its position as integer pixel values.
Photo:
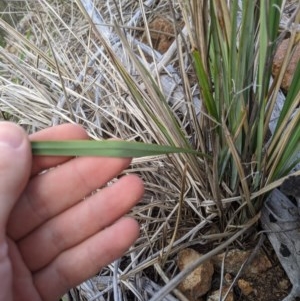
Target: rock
(215, 295)
(162, 33)
(278, 60)
(235, 258)
(260, 264)
(284, 284)
(228, 278)
(245, 287)
(197, 283)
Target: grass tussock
(96, 64)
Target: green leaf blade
(107, 148)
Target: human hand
(50, 240)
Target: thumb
(15, 164)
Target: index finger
(66, 131)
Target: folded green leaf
(106, 148)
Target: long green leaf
(205, 86)
(107, 148)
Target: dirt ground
(272, 285)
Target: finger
(51, 193)
(61, 132)
(80, 222)
(86, 259)
(15, 164)
(22, 287)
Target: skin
(51, 240)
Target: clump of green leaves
(232, 50)
(232, 53)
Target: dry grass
(64, 62)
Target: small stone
(260, 264)
(162, 33)
(245, 287)
(228, 278)
(215, 295)
(284, 284)
(235, 259)
(278, 60)
(198, 282)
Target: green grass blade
(107, 148)
(205, 86)
(267, 33)
(284, 148)
(290, 151)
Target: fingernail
(10, 135)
